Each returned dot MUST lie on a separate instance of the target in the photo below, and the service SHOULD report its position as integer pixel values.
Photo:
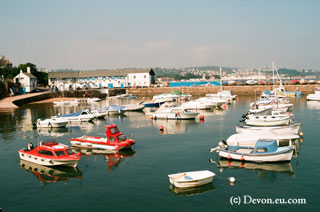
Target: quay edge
(201, 91)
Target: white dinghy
(191, 179)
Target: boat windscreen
(60, 153)
(69, 151)
(122, 138)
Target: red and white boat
(50, 154)
(114, 141)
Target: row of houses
(120, 78)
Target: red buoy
(161, 128)
(151, 117)
(138, 127)
(202, 117)
(242, 158)
(229, 157)
(224, 106)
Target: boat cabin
(263, 146)
(53, 149)
(113, 133)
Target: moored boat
(176, 113)
(133, 107)
(191, 179)
(114, 141)
(284, 129)
(80, 116)
(50, 154)
(275, 119)
(156, 103)
(315, 96)
(115, 110)
(51, 123)
(263, 151)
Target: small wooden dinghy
(191, 179)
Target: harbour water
(137, 180)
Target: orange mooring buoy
(202, 117)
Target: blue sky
(98, 34)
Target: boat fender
(229, 157)
(49, 124)
(242, 158)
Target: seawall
(201, 91)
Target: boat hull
(180, 116)
(290, 129)
(51, 124)
(179, 180)
(89, 145)
(46, 161)
(276, 157)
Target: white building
(27, 81)
(121, 78)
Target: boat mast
(273, 77)
(220, 79)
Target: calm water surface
(137, 180)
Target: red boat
(114, 141)
(50, 154)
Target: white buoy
(232, 179)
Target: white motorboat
(167, 97)
(99, 113)
(133, 107)
(91, 100)
(174, 113)
(115, 110)
(276, 118)
(84, 115)
(263, 151)
(191, 179)
(225, 94)
(287, 129)
(52, 122)
(66, 102)
(250, 138)
(315, 96)
(197, 105)
(217, 102)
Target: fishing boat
(191, 179)
(176, 113)
(50, 154)
(283, 129)
(51, 123)
(263, 151)
(114, 141)
(80, 116)
(315, 96)
(133, 107)
(275, 119)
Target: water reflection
(174, 126)
(283, 167)
(315, 105)
(113, 159)
(49, 174)
(53, 132)
(191, 191)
